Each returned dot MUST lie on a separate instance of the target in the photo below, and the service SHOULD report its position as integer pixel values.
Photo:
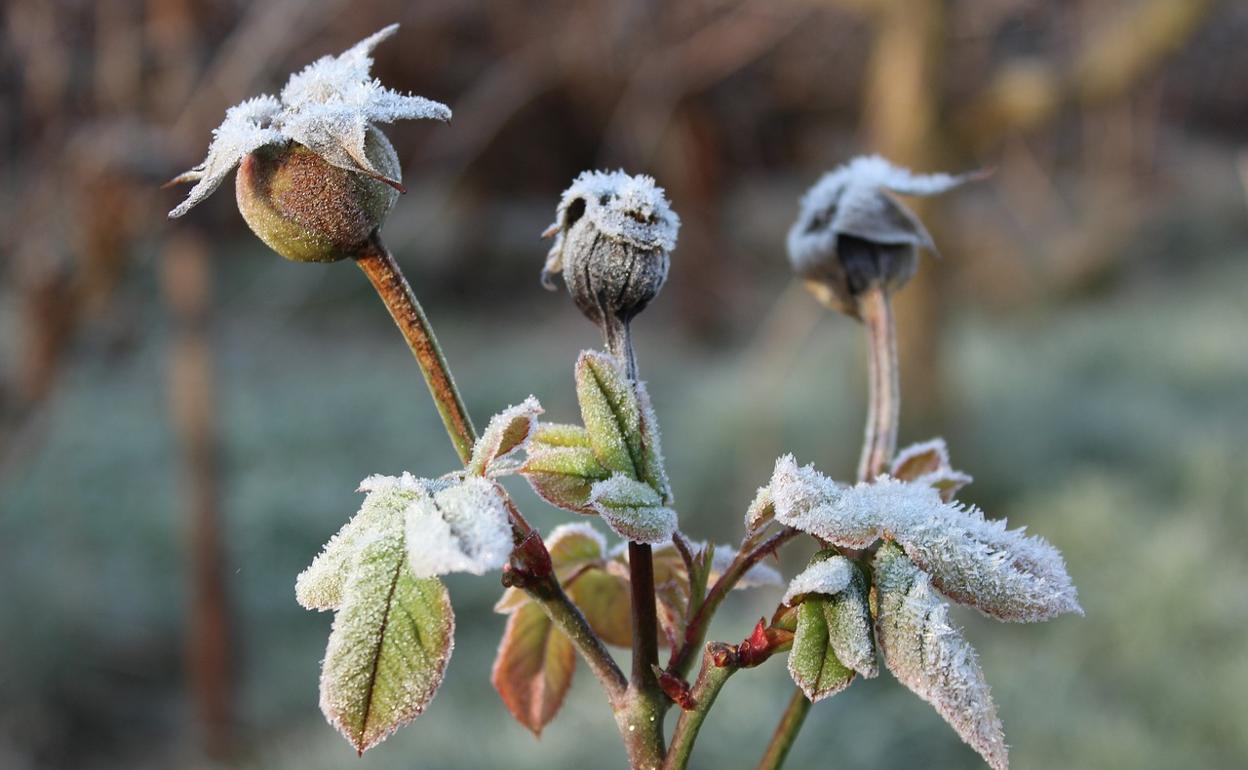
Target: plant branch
(786, 732)
(879, 442)
(383, 272)
(695, 631)
(711, 678)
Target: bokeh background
(184, 416)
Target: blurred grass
(1115, 427)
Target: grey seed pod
(851, 235)
(613, 237)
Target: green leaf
(534, 667)
(389, 646)
(605, 600)
(320, 586)
(849, 627)
(633, 510)
(812, 661)
(564, 475)
(507, 431)
(622, 429)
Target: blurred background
(184, 416)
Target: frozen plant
(317, 178)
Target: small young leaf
(564, 475)
(633, 510)
(622, 428)
(507, 431)
(463, 527)
(554, 434)
(849, 627)
(534, 667)
(812, 661)
(827, 574)
(606, 602)
(389, 646)
(928, 463)
(319, 587)
(930, 656)
(761, 511)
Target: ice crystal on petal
(633, 510)
(463, 527)
(319, 587)
(327, 106)
(929, 655)
(828, 576)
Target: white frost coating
(652, 442)
(633, 510)
(929, 655)
(320, 586)
(850, 200)
(461, 528)
(761, 511)
(628, 208)
(814, 503)
(758, 576)
(508, 431)
(935, 447)
(576, 529)
(328, 107)
(850, 627)
(928, 463)
(829, 576)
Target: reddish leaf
(533, 670)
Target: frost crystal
(829, 576)
(929, 655)
(809, 501)
(508, 431)
(633, 510)
(328, 107)
(626, 208)
(319, 587)
(761, 511)
(460, 528)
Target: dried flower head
(317, 175)
(613, 235)
(851, 234)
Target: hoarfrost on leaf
(319, 587)
(929, 655)
(508, 431)
(761, 511)
(758, 576)
(813, 663)
(826, 576)
(633, 510)
(928, 463)
(463, 527)
(327, 106)
(807, 500)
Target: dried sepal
(533, 669)
(929, 655)
(389, 647)
(813, 663)
(928, 463)
(320, 586)
(633, 510)
(507, 432)
(246, 128)
(463, 527)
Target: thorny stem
(786, 732)
(695, 632)
(879, 441)
(711, 679)
(397, 295)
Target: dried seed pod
(851, 235)
(613, 237)
(308, 210)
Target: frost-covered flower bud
(851, 235)
(309, 211)
(613, 237)
(317, 175)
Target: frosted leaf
(826, 576)
(761, 511)
(813, 663)
(508, 431)
(627, 208)
(1006, 574)
(758, 576)
(928, 463)
(807, 500)
(389, 646)
(328, 106)
(633, 510)
(246, 128)
(655, 471)
(463, 527)
(929, 655)
(850, 631)
(563, 475)
(320, 586)
(533, 669)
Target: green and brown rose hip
(316, 179)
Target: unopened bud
(309, 211)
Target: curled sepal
(930, 656)
(508, 431)
(561, 467)
(928, 463)
(813, 663)
(463, 527)
(623, 432)
(633, 510)
(319, 587)
(389, 646)
(534, 667)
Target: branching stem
(711, 679)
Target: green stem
(786, 732)
(711, 679)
